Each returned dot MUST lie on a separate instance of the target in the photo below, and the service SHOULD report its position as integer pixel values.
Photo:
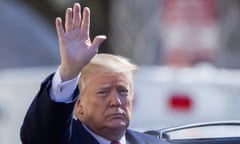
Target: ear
(78, 107)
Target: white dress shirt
(62, 91)
(102, 140)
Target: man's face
(106, 101)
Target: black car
(217, 132)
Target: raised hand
(76, 48)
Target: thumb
(97, 41)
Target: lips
(116, 116)
(118, 119)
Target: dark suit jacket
(49, 122)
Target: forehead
(101, 78)
(112, 76)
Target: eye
(102, 93)
(123, 92)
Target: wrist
(67, 74)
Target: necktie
(115, 142)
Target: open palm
(76, 48)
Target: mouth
(119, 119)
(116, 116)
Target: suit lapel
(81, 135)
(132, 138)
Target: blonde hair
(107, 63)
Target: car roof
(232, 140)
(199, 133)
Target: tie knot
(115, 142)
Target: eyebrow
(121, 83)
(103, 86)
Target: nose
(115, 100)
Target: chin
(118, 124)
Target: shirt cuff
(62, 91)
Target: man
(104, 105)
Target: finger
(76, 15)
(68, 20)
(98, 40)
(59, 27)
(86, 20)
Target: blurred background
(188, 53)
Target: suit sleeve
(47, 121)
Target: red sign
(190, 31)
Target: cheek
(129, 105)
(99, 105)
(129, 110)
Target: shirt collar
(101, 139)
